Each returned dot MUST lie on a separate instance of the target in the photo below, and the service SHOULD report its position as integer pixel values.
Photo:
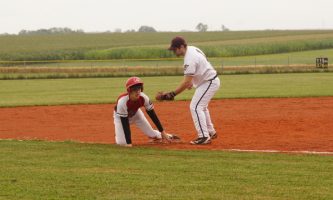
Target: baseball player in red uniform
(201, 75)
(127, 111)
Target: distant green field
(65, 170)
(293, 58)
(273, 63)
(145, 54)
(106, 90)
(153, 45)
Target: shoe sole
(213, 136)
(207, 142)
(155, 141)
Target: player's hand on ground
(165, 136)
(171, 138)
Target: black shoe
(201, 140)
(213, 135)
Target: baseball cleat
(213, 135)
(155, 140)
(201, 140)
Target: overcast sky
(165, 15)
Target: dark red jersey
(127, 108)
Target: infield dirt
(283, 124)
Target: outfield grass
(65, 170)
(106, 90)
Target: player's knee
(193, 106)
(197, 107)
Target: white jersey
(197, 65)
(127, 108)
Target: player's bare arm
(185, 84)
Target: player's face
(179, 51)
(135, 93)
(175, 51)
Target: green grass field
(292, 58)
(115, 54)
(303, 61)
(154, 45)
(106, 90)
(65, 170)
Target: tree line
(201, 27)
(55, 30)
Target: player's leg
(197, 111)
(140, 120)
(210, 125)
(119, 131)
(201, 98)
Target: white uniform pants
(140, 121)
(199, 107)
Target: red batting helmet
(133, 81)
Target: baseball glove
(168, 96)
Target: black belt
(213, 78)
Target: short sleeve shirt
(127, 108)
(197, 65)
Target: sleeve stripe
(150, 108)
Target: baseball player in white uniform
(127, 111)
(200, 74)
